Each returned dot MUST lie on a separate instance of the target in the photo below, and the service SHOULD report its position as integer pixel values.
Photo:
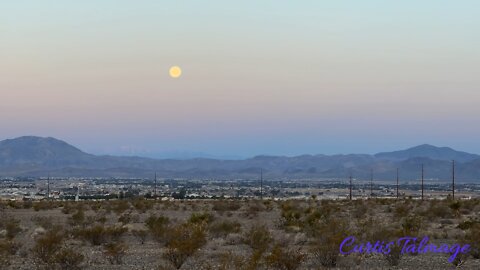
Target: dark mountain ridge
(36, 156)
(430, 151)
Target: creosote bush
(412, 224)
(183, 241)
(141, 235)
(115, 251)
(158, 226)
(393, 258)
(99, 234)
(12, 226)
(328, 236)
(47, 245)
(224, 205)
(69, 259)
(224, 228)
(284, 258)
(258, 237)
(201, 218)
(8, 248)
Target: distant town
(44, 188)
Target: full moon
(175, 72)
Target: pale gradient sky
(259, 77)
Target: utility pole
(371, 182)
(350, 187)
(155, 186)
(48, 187)
(77, 197)
(397, 183)
(453, 179)
(261, 184)
(422, 181)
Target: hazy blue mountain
(36, 156)
(429, 151)
(36, 151)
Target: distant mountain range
(36, 156)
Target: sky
(258, 77)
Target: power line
(397, 183)
(422, 181)
(48, 187)
(350, 187)
(453, 179)
(155, 186)
(371, 182)
(261, 184)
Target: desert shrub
(268, 205)
(224, 228)
(96, 206)
(184, 240)
(284, 259)
(47, 245)
(125, 218)
(43, 205)
(371, 228)
(471, 237)
(470, 205)
(101, 217)
(224, 205)
(5, 261)
(258, 237)
(115, 251)
(296, 217)
(402, 210)
(27, 204)
(77, 219)
(460, 259)
(253, 209)
(116, 232)
(455, 206)
(95, 235)
(230, 260)
(14, 204)
(328, 236)
(142, 205)
(467, 224)
(12, 227)
(201, 218)
(393, 258)
(360, 209)
(158, 226)
(313, 217)
(68, 259)
(254, 261)
(411, 225)
(141, 235)
(99, 234)
(120, 206)
(291, 214)
(68, 208)
(8, 247)
(438, 210)
(42, 221)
